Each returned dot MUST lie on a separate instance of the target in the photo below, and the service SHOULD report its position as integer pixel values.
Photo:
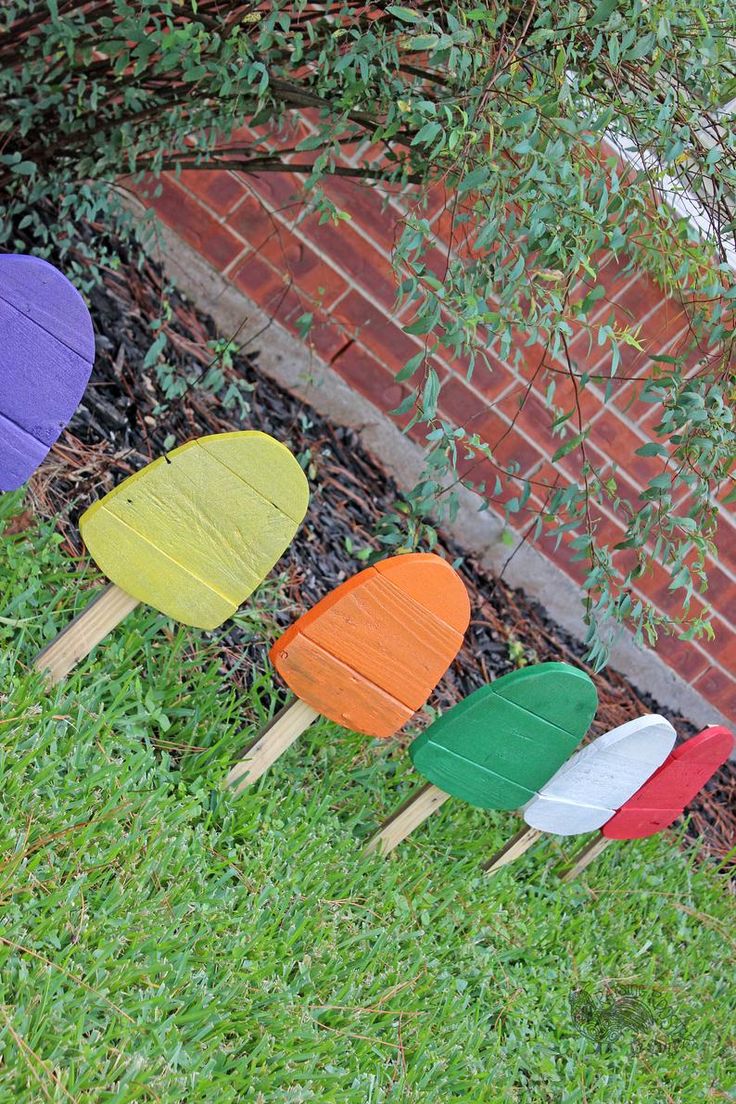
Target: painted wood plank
(81, 635)
(664, 796)
(493, 752)
(584, 857)
(46, 355)
(37, 289)
(514, 849)
(20, 453)
(587, 789)
(389, 639)
(286, 727)
(189, 535)
(407, 817)
(338, 692)
(371, 652)
(266, 465)
(433, 583)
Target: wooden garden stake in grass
(498, 746)
(47, 349)
(367, 656)
(663, 797)
(594, 782)
(192, 534)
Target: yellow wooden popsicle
(192, 534)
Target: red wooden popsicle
(47, 350)
(664, 796)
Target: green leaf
(651, 449)
(406, 15)
(427, 134)
(430, 394)
(423, 42)
(406, 404)
(661, 482)
(312, 141)
(304, 323)
(474, 179)
(410, 367)
(570, 445)
(603, 11)
(644, 46)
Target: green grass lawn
(163, 941)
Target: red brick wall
(251, 230)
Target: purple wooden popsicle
(47, 350)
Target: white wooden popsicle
(664, 795)
(594, 782)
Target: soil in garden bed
(125, 420)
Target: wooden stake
(276, 737)
(584, 857)
(514, 849)
(406, 818)
(80, 636)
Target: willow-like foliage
(561, 132)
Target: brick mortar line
(596, 390)
(478, 394)
(728, 626)
(216, 294)
(694, 645)
(691, 644)
(291, 230)
(296, 233)
(605, 509)
(300, 236)
(361, 288)
(635, 427)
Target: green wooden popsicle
(497, 747)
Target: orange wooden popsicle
(368, 655)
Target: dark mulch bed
(116, 431)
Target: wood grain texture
(514, 849)
(494, 752)
(434, 585)
(339, 692)
(20, 453)
(47, 298)
(47, 351)
(81, 635)
(189, 534)
(409, 816)
(370, 653)
(273, 741)
(587, 789)
(584, 857)
(663, 797)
